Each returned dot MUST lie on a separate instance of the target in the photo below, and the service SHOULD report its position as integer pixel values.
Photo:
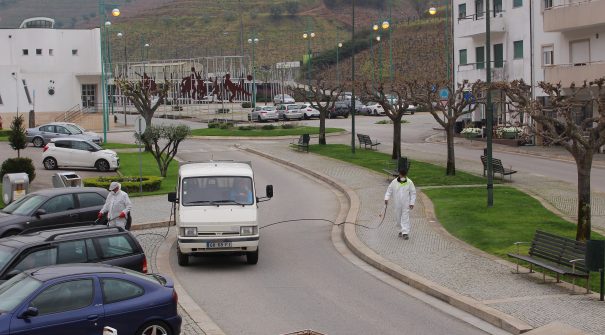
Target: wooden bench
(558, 254)
(392, 170)
(366, 140)
(303, 143)
(497, 167)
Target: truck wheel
(183, 258)
(252, 257)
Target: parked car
(89, 244)
(339, 110)
(308, 111)
(263, 113)
(84, 298)
(373, 108)
(289, 112)
(96, 138)
(69, 206)
(41, 135)
(283, 99)
(73, 152)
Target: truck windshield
(217, 191)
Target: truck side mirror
(172, 197)
(269, 191)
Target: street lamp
(353, 77)
(124, 99)
(379, 59)
(253, 41)
(308, 36)
(111, 90)
(374, 30)
(103, 40)
(339, 45)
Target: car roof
(59, 234)
(215, 169)
(57, 271)
(69, 190)
(69, 139)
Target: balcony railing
(476, 71)
(567, 15)
(474, 25)
(577, 73)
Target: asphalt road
(301, 280)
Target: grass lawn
(423, 174)
(261, 132)
(129, 166)
(110, 145)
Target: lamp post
(353, 78)
(102, 40)
(308, 36)
(379, 59)
(339, 45)
(385, 26)
(488, 108)
(253, 41)
(124, 99)
(374, 31)
(110, 90)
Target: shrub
(225, 125)
(288, 126)
(130, 184)
(246, 128)
(16, 137)
(17, 165)
(246, 104)
(214, 124)
(268, 127)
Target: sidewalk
(438, 263)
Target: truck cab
(216, 210)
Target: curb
(469, 305)
(285, 137)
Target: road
(301, 280)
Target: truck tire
(252, 257)
(182, 258)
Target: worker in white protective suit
(117, 206)
(403, 193)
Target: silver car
(308, 111)
(290, 112)
(283, 99)
(263, 113)
(41, 135)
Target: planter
(509, 135)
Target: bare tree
(419, 6)
(142, 92)
(464, 100)
(573, 118)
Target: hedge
(130, 184)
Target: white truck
(216, 210)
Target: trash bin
(14, 186)
(595, 255)
(66, 179)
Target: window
(479, 8)
(114, 246)
(37, 258)
(92, 252)
(63, 297)
(63, 144)
(497, 7)
(548, 55)
(517, 3)
(79, 145)
(26, 89)
(71, 252)
(25, 52)
(518, 49)
(60, 203)
(115, 290)
(547, 4)
(50, 52)
(462, 11)
(39, 52)
(74, 52)
(62, 130)
(1, 100)
(498, 55)
(48, 129)
(90, 200)
(463, 57)
(480, 58)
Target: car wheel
(347, 116)
(305, 116)
(11, 232)
(102, 165)
(252, 257)
(249, 118)
(50, 163)
(259, 119)
(183, 259)
(375, 113)
(154, 328)
(38, 142)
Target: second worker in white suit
(402, 193)
(117, 206)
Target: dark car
(91, 244)
(84, 298)
(69, 206)
(339, 110)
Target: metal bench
(367, 141)
(558, 254)
(303, 143)
(497, 167)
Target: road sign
(444, 93)
(468, 96)
(443, 103)
(139, 125)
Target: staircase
(87, 118)
(74, 114)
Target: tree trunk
(322, 129)
(584, 209)
(396, 138)
(451, 159)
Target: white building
(48, 70)
(533, 40)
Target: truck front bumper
(239, 244)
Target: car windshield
(25, 205)
(74, 129)
(6, 253)
(216, 191)
(94, 145)
(269, 109)
(15, 290)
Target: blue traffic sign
(468, 96)
(444, 93)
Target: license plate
(219, 244)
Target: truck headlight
(248, 230)
(189, 231)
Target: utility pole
(353, 80)
(488, 108)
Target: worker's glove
(122, 215)
(100, 215)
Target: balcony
(476, 71)
(574, 15)
(577, 73)
(474, 26)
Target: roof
(50, 235)
(57, 271)
(216, 168)
(66, 190)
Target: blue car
(84, 298)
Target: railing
(70, 115)
(479, 16)
(496, 64)
(569, 3)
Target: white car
(373, 108)
(289, 112)
(283, 99)
(263, 113)
(74, 152)
(308, 111)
